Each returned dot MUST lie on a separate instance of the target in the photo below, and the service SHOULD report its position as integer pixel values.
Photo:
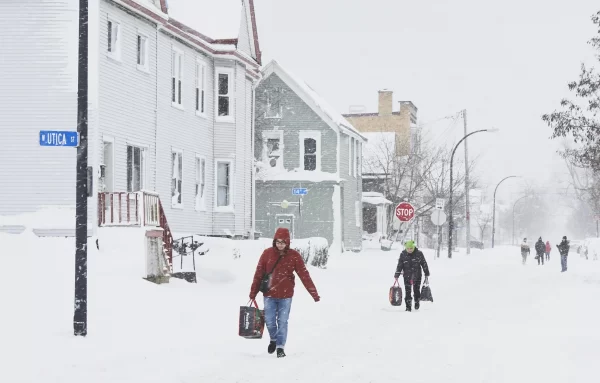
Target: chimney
(408, 108)
(385, 102)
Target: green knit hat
(409, 244)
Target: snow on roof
(267, 173)
(378, 152)
(319, 101)
(374, 198)
(216, 19)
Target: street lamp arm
(494, 208)
(504, 179)
(464, 138)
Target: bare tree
(483, 219)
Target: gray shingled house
(308, 156)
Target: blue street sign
(59, 138)
(299, 191)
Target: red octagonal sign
(405, 212)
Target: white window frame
(349, 155)
(360, 159)
(357, 209)
(352, 156)
(268, 108)
(110, 140)
(356, 158)
(229, 208)
(178, 153)
(200, 201)
(177, 71)
(142, 44)
(231, 94)
(200, 88)
(273, 134)
(143, 166)
(114, 45)
(316, 135)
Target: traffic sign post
(405, 212)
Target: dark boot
(280, 353)
(408, 305)
(272, 346)
(417, 305)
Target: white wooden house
(170, 111)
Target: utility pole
(467, 206)
(440, 227)
(80, 315)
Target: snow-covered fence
(314, 250)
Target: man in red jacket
(280, 262)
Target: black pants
(540, 258)
(408, 288)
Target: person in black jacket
(563, 249)
(409, 264)
(540, 249)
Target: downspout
(156, 112)
(253, 166)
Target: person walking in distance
(548, 250)
(278, 263)
(525, 251)
(563, 249)
(540, 249)
(410, 263)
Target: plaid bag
(252, 321)
(395, 294)
(426, 292)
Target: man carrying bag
(410, 263)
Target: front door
(285, 221)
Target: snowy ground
(493, 320)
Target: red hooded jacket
(282, 279)
(548, 247)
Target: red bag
(252, 321)
(396, 294)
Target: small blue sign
(299, 191)
(59, 138)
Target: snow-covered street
(493, 320)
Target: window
(114, 39)
(176, 77)
(350, 155)
(200, 183)
(357, 209)
(273, 148)
(136, 168)
(357, 158)
(200, 88)
(142, 52)
(225, 96)
(176, 178)
(273, 108)
(223, 185)
(310, 150)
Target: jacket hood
(282, 233)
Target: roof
(379, 152)
(375, 198)
(215, 23)
(312, 99)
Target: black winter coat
(540, 247)
(411, 265)
(563, 247)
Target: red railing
(167, 235)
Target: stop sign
(405, 212)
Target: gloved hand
(317, 298)
(252, 296)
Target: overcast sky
(506, 62)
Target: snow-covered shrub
(236, 253)
(314, 248)
(320, 258)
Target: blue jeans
(563, 262)
(277, 313)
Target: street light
(450, 215)
(494, 213)
(513, 223)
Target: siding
(352, 190)
(127, 95)
(38, 92)
(297, 117)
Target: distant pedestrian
(525, 251)
(548, 250)
(410, 263)
(278, 264)
(540, 249)
(563, 249)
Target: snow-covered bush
(314, 250)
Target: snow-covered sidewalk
(493, 320)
